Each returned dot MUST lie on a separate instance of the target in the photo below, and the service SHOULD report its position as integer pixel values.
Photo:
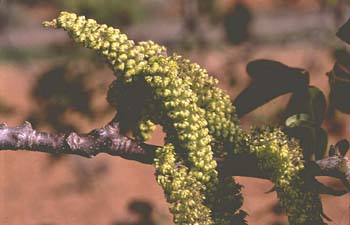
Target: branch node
(73, 141)
(27, 125)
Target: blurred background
(58, 86)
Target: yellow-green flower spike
(182, 188)
(200, 124)
(124, 56)
(280, 159)
(144, 130)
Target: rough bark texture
(102, 140)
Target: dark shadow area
(142, 210)
(57, 92)
(237, 23)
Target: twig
(102, 140)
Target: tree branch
(108, 139)
(102, 140)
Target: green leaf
(299, 119)
(317, 104)
(265, 70)
(306, 108)
(339, 81)
(270, 80)
(342, 146)
(344, 32)
(321, 144)
(305, 113)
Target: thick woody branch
(102, 140)
(108, 139)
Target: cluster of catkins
(280, 160)
(200, 125)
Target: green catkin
(184, 123)
(281, 161)
(143, 130)
(200, 123)
(224, 127)
(181, 187)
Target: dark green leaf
(317, 104)
(339, 80)
(331, 151)
(307, 137)
(270, 80)
(321, 144)
(344, 32)
(306, 108)
(265, 70)
(342, 146)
